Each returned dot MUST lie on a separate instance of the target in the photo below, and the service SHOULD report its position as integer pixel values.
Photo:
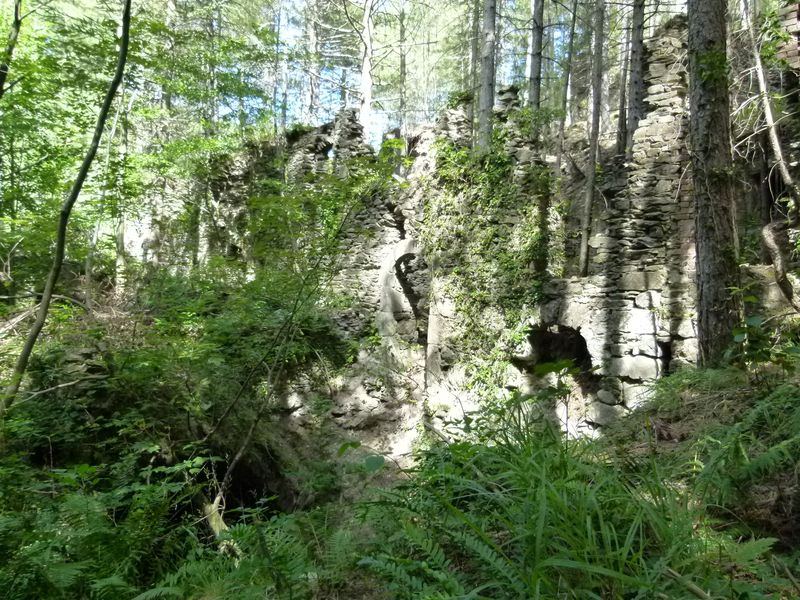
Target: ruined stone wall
(381, 287)
(625, 325)
(636, 309)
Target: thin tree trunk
(121, 258)
(635, 75)
(473, 62)
(365, 115)
(765, 195)
(622, 115)
(8, 54)
(535, 57)
(718, 310)
(403, 72)
(486, 104)
(312, 105)
(567, 76)
(277, 66)
(605, 80)
(66, 210)
(94, 238)
(594, 136)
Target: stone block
(600, 413)
(641, 368)
(576, 314)
(639, 321)
(642, 280)
(686, 329)
(649, 299)
(608, 397)
(602, 241)
(636, 395)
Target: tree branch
(13, 36)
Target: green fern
(398, 573)
(160, 592)
(111, 588)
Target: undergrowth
(692, 497)
(527, 513)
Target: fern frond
(160, 592)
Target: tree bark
(622, 114)
(403, 72)
(314, 67)
(565, 95)
(8, 54)
(718, 310)
(594, 135)
(66, 209)
(486, 104)
(474, 57)
(365, 115)
(635, 75)
(535, 57)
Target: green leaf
(754, 321)
(745, 553)
(348, 446)
(160, 592)
(374, 463)
(553, 367)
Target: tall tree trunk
(605, 80)
(314, 67)
(774, 235)
(365, 115)
(8, 53)
(718, 311)
(118, 214)
(635, 75)
(535, 57)
(66, 209)
(486, 104)
(403, 71)
(474, 57)
(622, 114)
(565, 92)
(277, 67)
(153, 248)
(94, 237)
(594, 135)
(343, 95)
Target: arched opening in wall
(410, 270)
(559, 356)
(557, 344)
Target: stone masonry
(635, 310)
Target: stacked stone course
(636, 308)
